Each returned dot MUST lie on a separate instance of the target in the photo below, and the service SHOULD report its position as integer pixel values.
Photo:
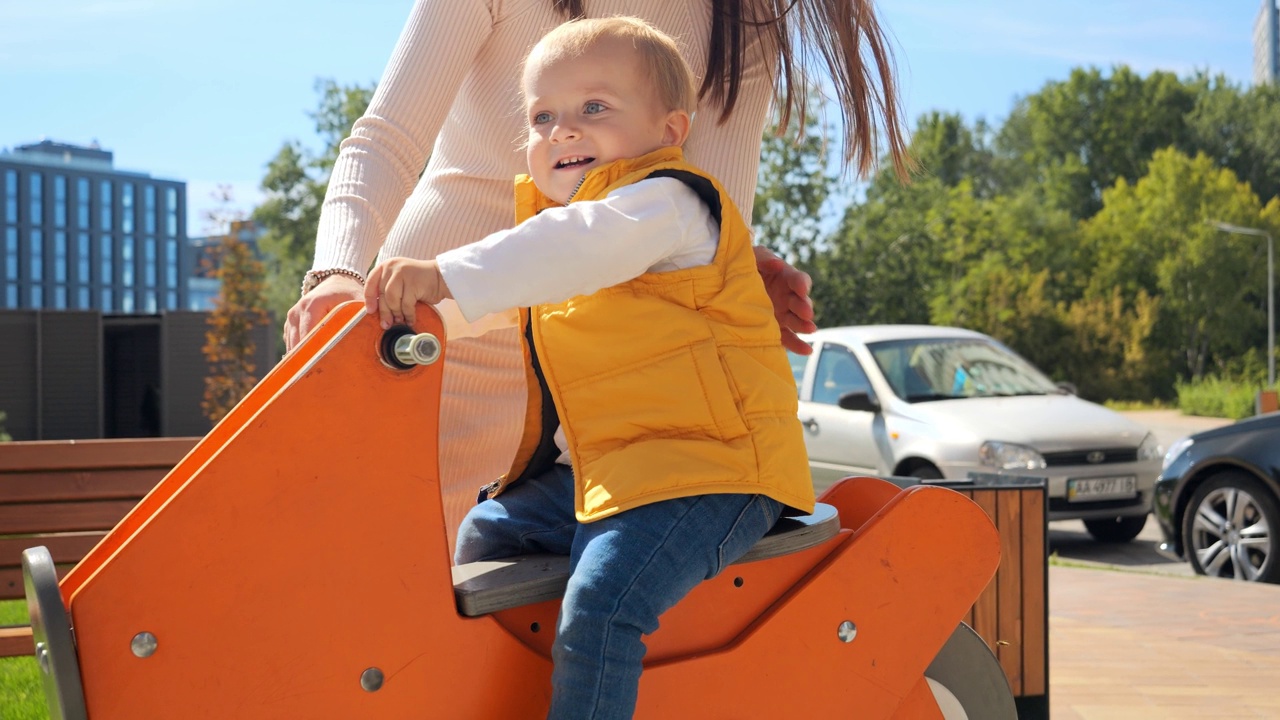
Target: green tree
(792, 187)
(1153, 238)
(1238, 130)
(238, 309)
(295, 185)
(1079, 136)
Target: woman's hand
(788, 288)
(312, 307)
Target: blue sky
(207, 91)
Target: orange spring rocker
(278, 572)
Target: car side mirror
(1067, 388)
(864, 401)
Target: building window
(37, 256)
(83, 193)
(126, 300)
(60, 201)
(171, 300)
(37, 198)
(150, 269)
(37, 269)
(59, 256)
(11, 196)
(84, 259)
(126, 262)
(149, 209)
(171, 263)
(84, 297)
(105, 202)
(11, 267)
(126, 208)
(171, 212)
(150, 302)
(61, 268)
(108, 300)
(108, 275)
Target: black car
(1218, 500)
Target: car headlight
(1175, 450)
(1149, 449)
(1009, 456)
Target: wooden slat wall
(1012, 612)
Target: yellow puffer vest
(669, 385)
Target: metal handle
(420, 349)
(811, 425)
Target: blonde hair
(660, 58)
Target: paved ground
(1133, 635)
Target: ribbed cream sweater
(451, 91)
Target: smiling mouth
(573, 162)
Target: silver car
(939, 402)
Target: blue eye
(541, 118)
(593, 107)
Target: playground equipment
(291, 569)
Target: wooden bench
(66, 495)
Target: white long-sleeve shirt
(655, 225)
(451, 91)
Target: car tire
(1116, 530)
(925, 471)
(1226, 503)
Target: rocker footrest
(485, 587)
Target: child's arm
(654, 225)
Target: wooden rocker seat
(486, 587)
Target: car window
(923, 369)
(838, 373)
(798, 363)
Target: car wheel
(1116, 530)
(925, 471)
(1231, 528)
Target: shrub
(1211, 396)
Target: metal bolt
(42, 657)
(420, 349)
(847, 631)
(371, 679)
(143, 644)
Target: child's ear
(676, 128)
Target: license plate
(1101, 488)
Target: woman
(450, 92)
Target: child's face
(590, 110)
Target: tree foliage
(239, 308)
(295, 185)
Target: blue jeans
(625, 571)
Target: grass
(21, 690)
(1130, 405)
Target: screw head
(143, 644)
(847, 631)
(371, 679)
(42, 658)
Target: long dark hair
(796, 29)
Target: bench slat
(87, 454)
(16, 640)
(65, 549)
(62, 517)
(116, 484)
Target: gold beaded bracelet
(313, 277)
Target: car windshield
(925, 369)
